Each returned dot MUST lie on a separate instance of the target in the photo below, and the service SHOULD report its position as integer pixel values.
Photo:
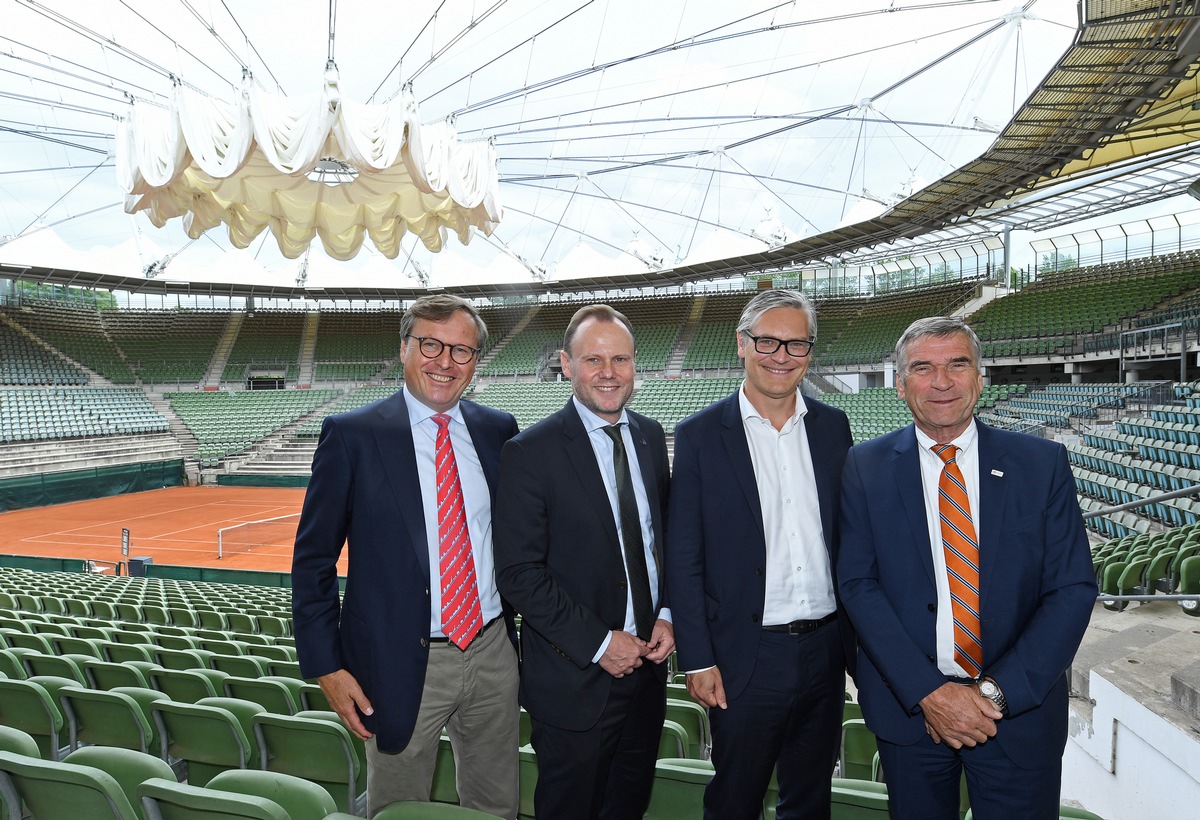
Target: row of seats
(1149, 563)
(30, 414)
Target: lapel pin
(998, 473)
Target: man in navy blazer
(750, 557)
(582, 568)
(1004, 723)
(381, 653)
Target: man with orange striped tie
(965, 569)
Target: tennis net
(268, 532)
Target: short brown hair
(439, 307)
(604, 313)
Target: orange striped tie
(962, 560)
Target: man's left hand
(662, 641)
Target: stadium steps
(282, 452)
(188, 443)
(308, 346)
(212, 379)
(675, 360)
(503, 343)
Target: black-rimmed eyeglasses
(796, 348)
(431, 348)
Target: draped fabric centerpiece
(250, 164)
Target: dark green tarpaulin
(44, 489)
(262, 480)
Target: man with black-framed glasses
(421, 641)
(750, 553)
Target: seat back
(208, 738)
(54, 790)
(858, 750)
(301, 799)
(694, 720)
(106, 718)
(678, 790)
(314, 749)
(275, 694)
(164, 799)
(18, 741)
(127, 767)
(859, 800)
(187, 685)
(27, 706)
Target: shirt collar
(592, 422)
(419, 412)
(965, 439)
(749, 413)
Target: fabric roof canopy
(247, 164)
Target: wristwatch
(989, 689)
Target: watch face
(987, 689)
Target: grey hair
(439, 307)
(777, 298)
(939, 327)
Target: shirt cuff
(698, 671)
(664, 614)
(603, 648)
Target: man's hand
(624, 653)
(959, 716)
(662, 641)
(344, 694)
(707, 688)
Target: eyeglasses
(431, 348)
(796, 348)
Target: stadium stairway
(282, 452)
(188, 443)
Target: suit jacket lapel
(393, 437)
(650, 481)
(823, 478)
(583, 458)
(993, 490)
(912, 497)
(733, 438)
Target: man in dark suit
(965, 569)
(750, 553)
(418, 643)
(579, 534)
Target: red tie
(962, 560)
(461, 615)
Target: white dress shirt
(602, 446)
(799, 582)
(477, 499)
(931, 473)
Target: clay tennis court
(177, 525)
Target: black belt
(800, 627)
(486, 627)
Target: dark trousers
(923, 782)
(605, 772)
(788, 719)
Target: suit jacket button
(424, 642)
(754, 617)
(932, 608)
(758, 570)
(931, 658)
